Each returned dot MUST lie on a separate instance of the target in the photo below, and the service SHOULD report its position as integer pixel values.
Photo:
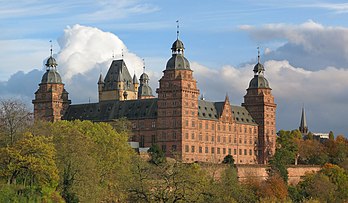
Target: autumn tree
(14, 118)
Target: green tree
(331, 135)
(286, 153)
(28, 167)
(157, 156)
(92, 158)
(228, 159)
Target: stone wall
(259, 172)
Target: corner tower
(177, 102)
(51, 99)
(259, 101)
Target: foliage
(167, 182)
(330, 184)
(14, 118)
(312, 152)
(228, 159)
(331, 135)
(28, 166)
(157, 156)
(286, 153)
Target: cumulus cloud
(85, 48)
(309, 44)
(323, 92)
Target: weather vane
(177, 29)
(51, 47)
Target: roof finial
(177, 29)
(122, 54)
(51, 47)
(143, 65)
(113, 54)
(258, 54)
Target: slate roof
(212, 110)
(109, 110)
(147, 108)
(118, 72)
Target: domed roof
(178, 45)
(144, 76)
(259, 82)
(51, 62)
(145, 90)
(178, 62)
(258, 68)
(51, 76)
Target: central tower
(177, 102)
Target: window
(174, 135)
(250, 152)
(218, 138)
(200, 125)
(224, 150)
(206, 149)
(200, 149)
(245, 152)
(206, 137)
(186, 136)
(200, 137)
(192, 149)
(173, 148)
(164, 148)
(186, 148)
(218, 150)
(212, 126)
(186, 122)
(212, 150)
(153, 124)
(240, 151)
(193, 136)
(153, 139)
(212, 138)
(224, 139)
(235, 151)
(229, 151)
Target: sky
(303, 44)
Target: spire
(100, 81)
(143, 65)
(303, 124)
(135, 80)
(226, 97)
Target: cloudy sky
(304, 47)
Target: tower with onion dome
(51, 99)
(259, 101)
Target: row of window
(223, 140)
(251, 130)
(218, 150)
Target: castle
(177, 120)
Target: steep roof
(147, 108)
(212, 110)
(118, 72)
(109, 110)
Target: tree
(331, 135)
(14, 118)
(28, 166)
(286, 153)
(172, 181)
(92, 158)
(157, 156)
(228, 159)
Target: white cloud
(85, 48)
(309, 44)
(323, 92)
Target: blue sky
(303, 46)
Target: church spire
(303, 124)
